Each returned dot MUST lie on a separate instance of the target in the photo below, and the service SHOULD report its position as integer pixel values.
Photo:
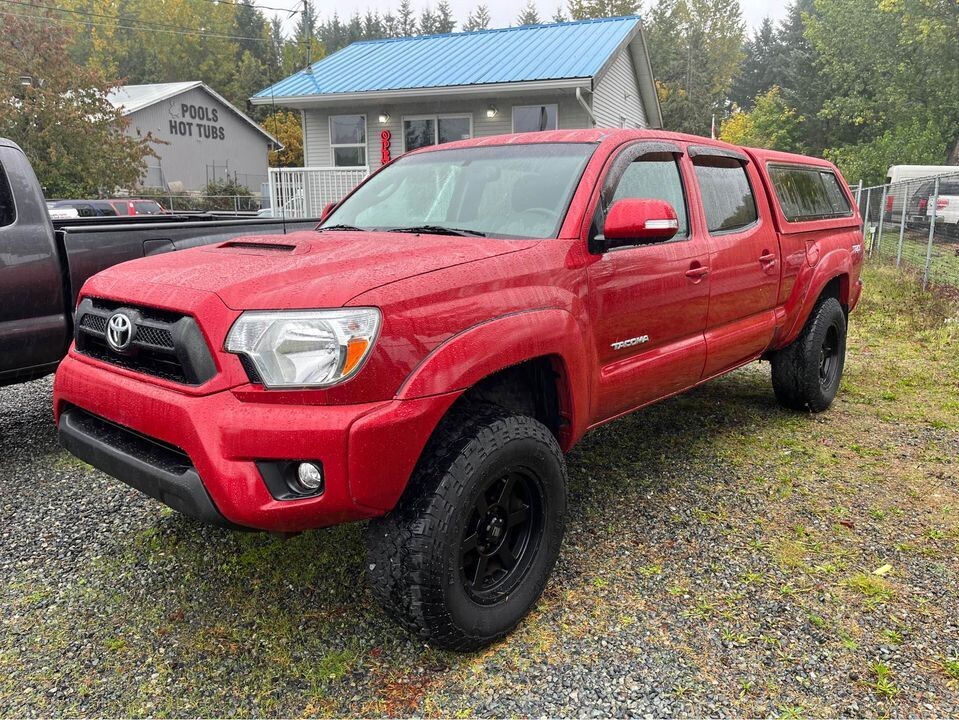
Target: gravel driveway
(724, 557)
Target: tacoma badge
(623, 344)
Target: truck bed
(90, 245)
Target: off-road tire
(415, 554)
(806, 374)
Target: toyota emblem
(119, 332)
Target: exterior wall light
(384, 118)
(491, 111)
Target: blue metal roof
(521, 54)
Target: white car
(62, 213)
(899, 175)
(946, 204)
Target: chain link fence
(915, 223)
(200, 202)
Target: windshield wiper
(342, 227)
(439, 230)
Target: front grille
(155, 336)
(163, 344)
(94, 323)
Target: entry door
(744, 260)
(648, 303)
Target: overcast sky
(504, 12)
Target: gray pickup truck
(43, 263)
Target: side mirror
(327, 209)
(633, 221)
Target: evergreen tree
(308, 50)
(275, 44)
(372, 26)
(428, 22)
(306, 23)
(406, 19)
(760, 70)
(803, 86)
(354, 29)
(558, 16)
(478, 19)
(444, 17)
(529, 15)
(696, 46)
(390, 25)
(250, 28)
(586, 9)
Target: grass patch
(873, 588)
(951, 668)
(881, 681)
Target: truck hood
(305, 269)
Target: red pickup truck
(426, 356)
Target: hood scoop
(270, 247)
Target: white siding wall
(194, 159)
(617, 95)
(316, 141)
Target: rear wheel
(806, 374)
(468, 550)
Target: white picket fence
(304, 192)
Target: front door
(33, 321)
(648, 303)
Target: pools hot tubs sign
(197, 121)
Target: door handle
(697, 273)
(767, 257)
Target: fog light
(310, 476)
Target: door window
(8, 211)
(656, 176)
(727, 196)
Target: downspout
(586, 107)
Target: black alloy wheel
(501, 536)
(829, 357)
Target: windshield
(519, 191)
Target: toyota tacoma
(424, 358)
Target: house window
(423, 130)
(348, 140)
(531, 118)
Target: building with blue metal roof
(376, 99)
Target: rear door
(744, 257)
(648, 303)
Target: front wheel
(469, 549)
(806, 374)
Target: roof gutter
(582, 101)
(420, 93)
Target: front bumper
(162, 473)
(368, 450)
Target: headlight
(305, 348)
